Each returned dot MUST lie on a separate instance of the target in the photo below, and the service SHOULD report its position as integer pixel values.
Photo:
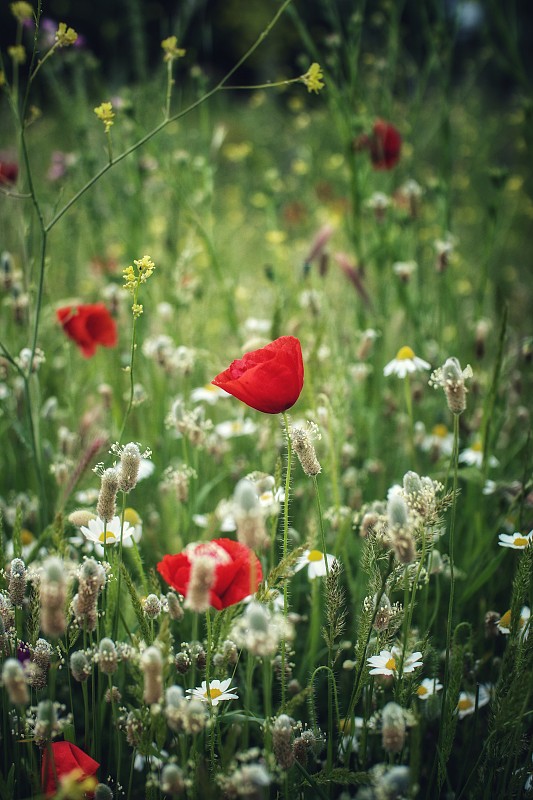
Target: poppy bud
(269, 379)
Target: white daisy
(110, 534)
(439, 442)
(504, 624)
(314, 561)
(235, 427)
(517, 541)
(219, 690)
(428, 688)
(208, 394)
(387, 662)
(132, 518)
(405, 363)
(473, 456)
(146, 468)
(467, 701)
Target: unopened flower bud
(393, 728)
(17, 581)
(106, 505)
(282, 741)
(113, 695)
(182, 662)
(53, 592)
(368, 523)
(172, 781)
(80, 666)
(152, 606)
(397, 511)
(384, 613)
(102, 792)
(304, 449)
(81, 517)
(15, 682)
(152, 666)
(403, 546)
(245, 496)
(200, 583)
(107, 656)
(46, 722)
(393, 784)
(175, 610)
(40, 656)
(92, 578)
(452, 379)
(130, 461)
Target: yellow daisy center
(26, 536)
(521, 541)
(505, 621)
(440, 430)
(464, 704)
(476, 447)
(345, 725)
(421, 691)
(131, 516)
(107, 537)
(404, 353)
(214, 693)
(391, 663)
(315, 555)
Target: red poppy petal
(176, 570)
(67, 757)
(101, 326)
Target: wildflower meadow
(266, 496)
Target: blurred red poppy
(269, 379)
(9, 171)
(385, 145)
(88, 326)
(238, 571)
(65, 759)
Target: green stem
(284, 552)
(131, 365)
(250, 664)
(446, 680)
(362, 665)
(321, 525)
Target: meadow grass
(264, 216)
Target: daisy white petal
(517, 541)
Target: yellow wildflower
(17, 53)
(105, 112)
(313, 78)
(65, 36)
(172, 51)
(133, 279)
(21, 10)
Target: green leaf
(482, 577)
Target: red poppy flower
(269, 379)
(9, 171)
(67, 758)
(88, 325)
(238, 571)
(385, 145)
